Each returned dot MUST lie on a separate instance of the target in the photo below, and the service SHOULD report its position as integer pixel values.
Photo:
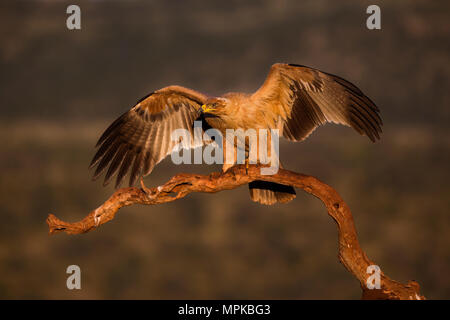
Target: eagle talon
(146, 190)
(97, 219)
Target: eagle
(294, 99)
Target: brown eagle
(294, 99)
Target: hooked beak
(206, 109)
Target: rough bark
(350, 253)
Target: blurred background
(60, 89)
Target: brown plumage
(294, 99)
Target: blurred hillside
(59, 89)
(127, 49)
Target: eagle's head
(214, 106)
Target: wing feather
(141, 137)
(303, 98)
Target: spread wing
(302, 98)
(141, 137)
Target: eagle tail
(269, 193)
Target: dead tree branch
(350, 253)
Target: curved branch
(350, 253)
